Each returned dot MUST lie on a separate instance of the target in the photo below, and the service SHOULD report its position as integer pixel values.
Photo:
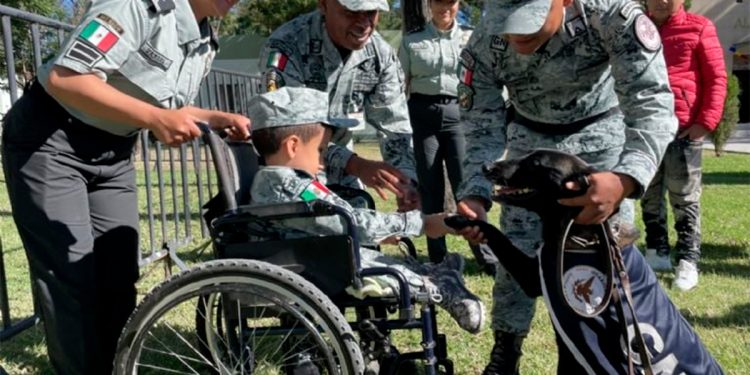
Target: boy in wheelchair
(291, 130)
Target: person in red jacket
(697, 75)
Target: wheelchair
(268, 305)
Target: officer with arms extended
(67, 156)
(337, 50)
(584, 76)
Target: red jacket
(695, 62)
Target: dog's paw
(458, 222)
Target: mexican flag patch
(277, 60)
(466, 75)
(314, 191)
(99, 36)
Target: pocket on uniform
(149, 78)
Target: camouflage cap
(365, 5)
(289, 106)
(521, 17)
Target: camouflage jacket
(275, 184)
(368, 86)
(606, 54)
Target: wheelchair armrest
(282, 211)
(406, 311)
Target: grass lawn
(719, 308)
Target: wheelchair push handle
(214, 140)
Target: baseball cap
(289, 106)
(364, 5)
(521, 17)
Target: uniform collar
(436, 32)
(189, 29)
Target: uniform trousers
(679, 175)
(73, 196)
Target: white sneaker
(686, 276)
(656, 261)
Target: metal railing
(172, 182)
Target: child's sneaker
(656, 261)
(462, 305)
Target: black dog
(599, 293)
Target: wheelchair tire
(161, 335)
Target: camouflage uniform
(606, 54)
(368, 86)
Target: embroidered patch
(154, 57)
(468, 59)
(583, 289)
(465, 97)
(83, 53)
(314, 191)
(466, 75)
(277, 60)
(316, 45)
(99, 36)
(575, 27)
(274, 80)
(111, 23)
(628, 9)
(646, 33)
(498, 43)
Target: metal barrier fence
(173, 183)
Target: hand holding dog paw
(434, 225)
(603, 197)
(472, 208)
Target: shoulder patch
(111, 23)
(646, 33)
(274, 80)
(99, 36)
(467, 59)
(627, 10)
(162, 6)
(277, 60)
(84, 53)
(498, 43)
(465, 96)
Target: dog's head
(537, 180)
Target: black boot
(505, 355)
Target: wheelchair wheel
(256, 318)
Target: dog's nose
(487, 167)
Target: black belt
(439, 99)
(563, 129)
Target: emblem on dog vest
(583, 289)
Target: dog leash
(614, 265)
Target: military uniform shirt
(430, 59)
(154, 51)
(368, 86)
(607, 54)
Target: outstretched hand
(384, 177)
(472, 208)
(604, 195)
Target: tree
(731, 115)
(23, 48)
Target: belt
(439, 99)
(562, 129)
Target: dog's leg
(524, 269)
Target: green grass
(719, 308)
